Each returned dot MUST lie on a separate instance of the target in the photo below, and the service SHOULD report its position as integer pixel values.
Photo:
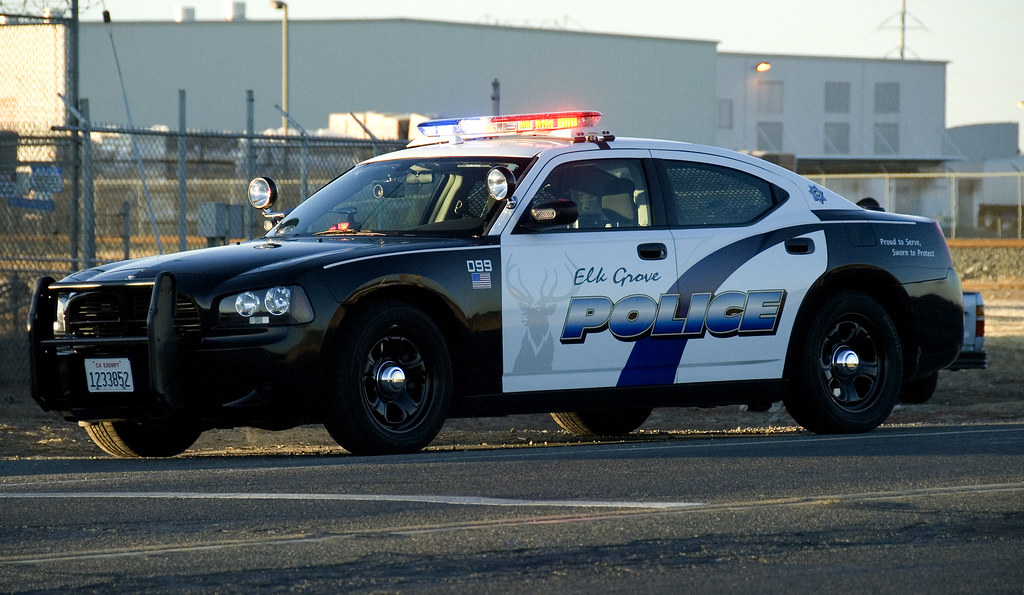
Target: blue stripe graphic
(654, 361)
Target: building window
(837, 138)
(887, 138)
(887, 98)
(769, 136)
(769, 97)
(725, 113)
(837, 98)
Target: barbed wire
(44, 8)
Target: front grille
(122, 313)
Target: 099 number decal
(478, 266)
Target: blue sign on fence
(46, 178)
(34, 190)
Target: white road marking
(301, 539)
(418, 498)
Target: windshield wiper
(348, 232)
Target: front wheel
(847, 368)
(393, 382)
(132, 440)
(601, 423)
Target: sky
(980, 39)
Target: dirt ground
(995, 395)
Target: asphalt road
(937, 509)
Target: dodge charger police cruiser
(508, 264)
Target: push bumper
(52, 389)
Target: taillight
(979, 321)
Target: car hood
(279, 258)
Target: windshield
(444, 196)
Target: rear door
(746, 254)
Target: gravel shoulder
(995, 395)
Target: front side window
(711, 195)
(608, 193)
(443, 196)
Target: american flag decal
(481, 280)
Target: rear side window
(711, 195)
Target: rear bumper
(970, 360)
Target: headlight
(247, 304)
(264, 307)
(59, 322)
(278, 300)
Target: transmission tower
(903, 18)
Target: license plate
(109, 375)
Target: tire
(847, 367)
(919, 390)
(601, 423)
(393, 382)
(133, 440)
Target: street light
(283, 6)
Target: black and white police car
(511, 264)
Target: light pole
(283, 6)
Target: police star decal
(817, 194)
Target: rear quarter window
(703, 194)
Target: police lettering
(634, 317)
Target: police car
(509, 264)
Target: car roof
(529, 146)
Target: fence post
(1020, 200)
(304, 168)
(303, 155)
(126, 234)
(182, 175)
(249, 219)
(88, 196)
(952, 205)
(73, 69)
(888, 199)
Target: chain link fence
(144, 192)
(74, 194)
(966, 205)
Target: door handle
(800, 246)
(653, 251)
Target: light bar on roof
(510, 124)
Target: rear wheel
(132, 440)
(393, 382)
(601, 423)
(847, 368)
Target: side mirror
(262, 193)
(555, 212)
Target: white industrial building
(644, 86)
(817, 113)
(834, 114)
(831, 114)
